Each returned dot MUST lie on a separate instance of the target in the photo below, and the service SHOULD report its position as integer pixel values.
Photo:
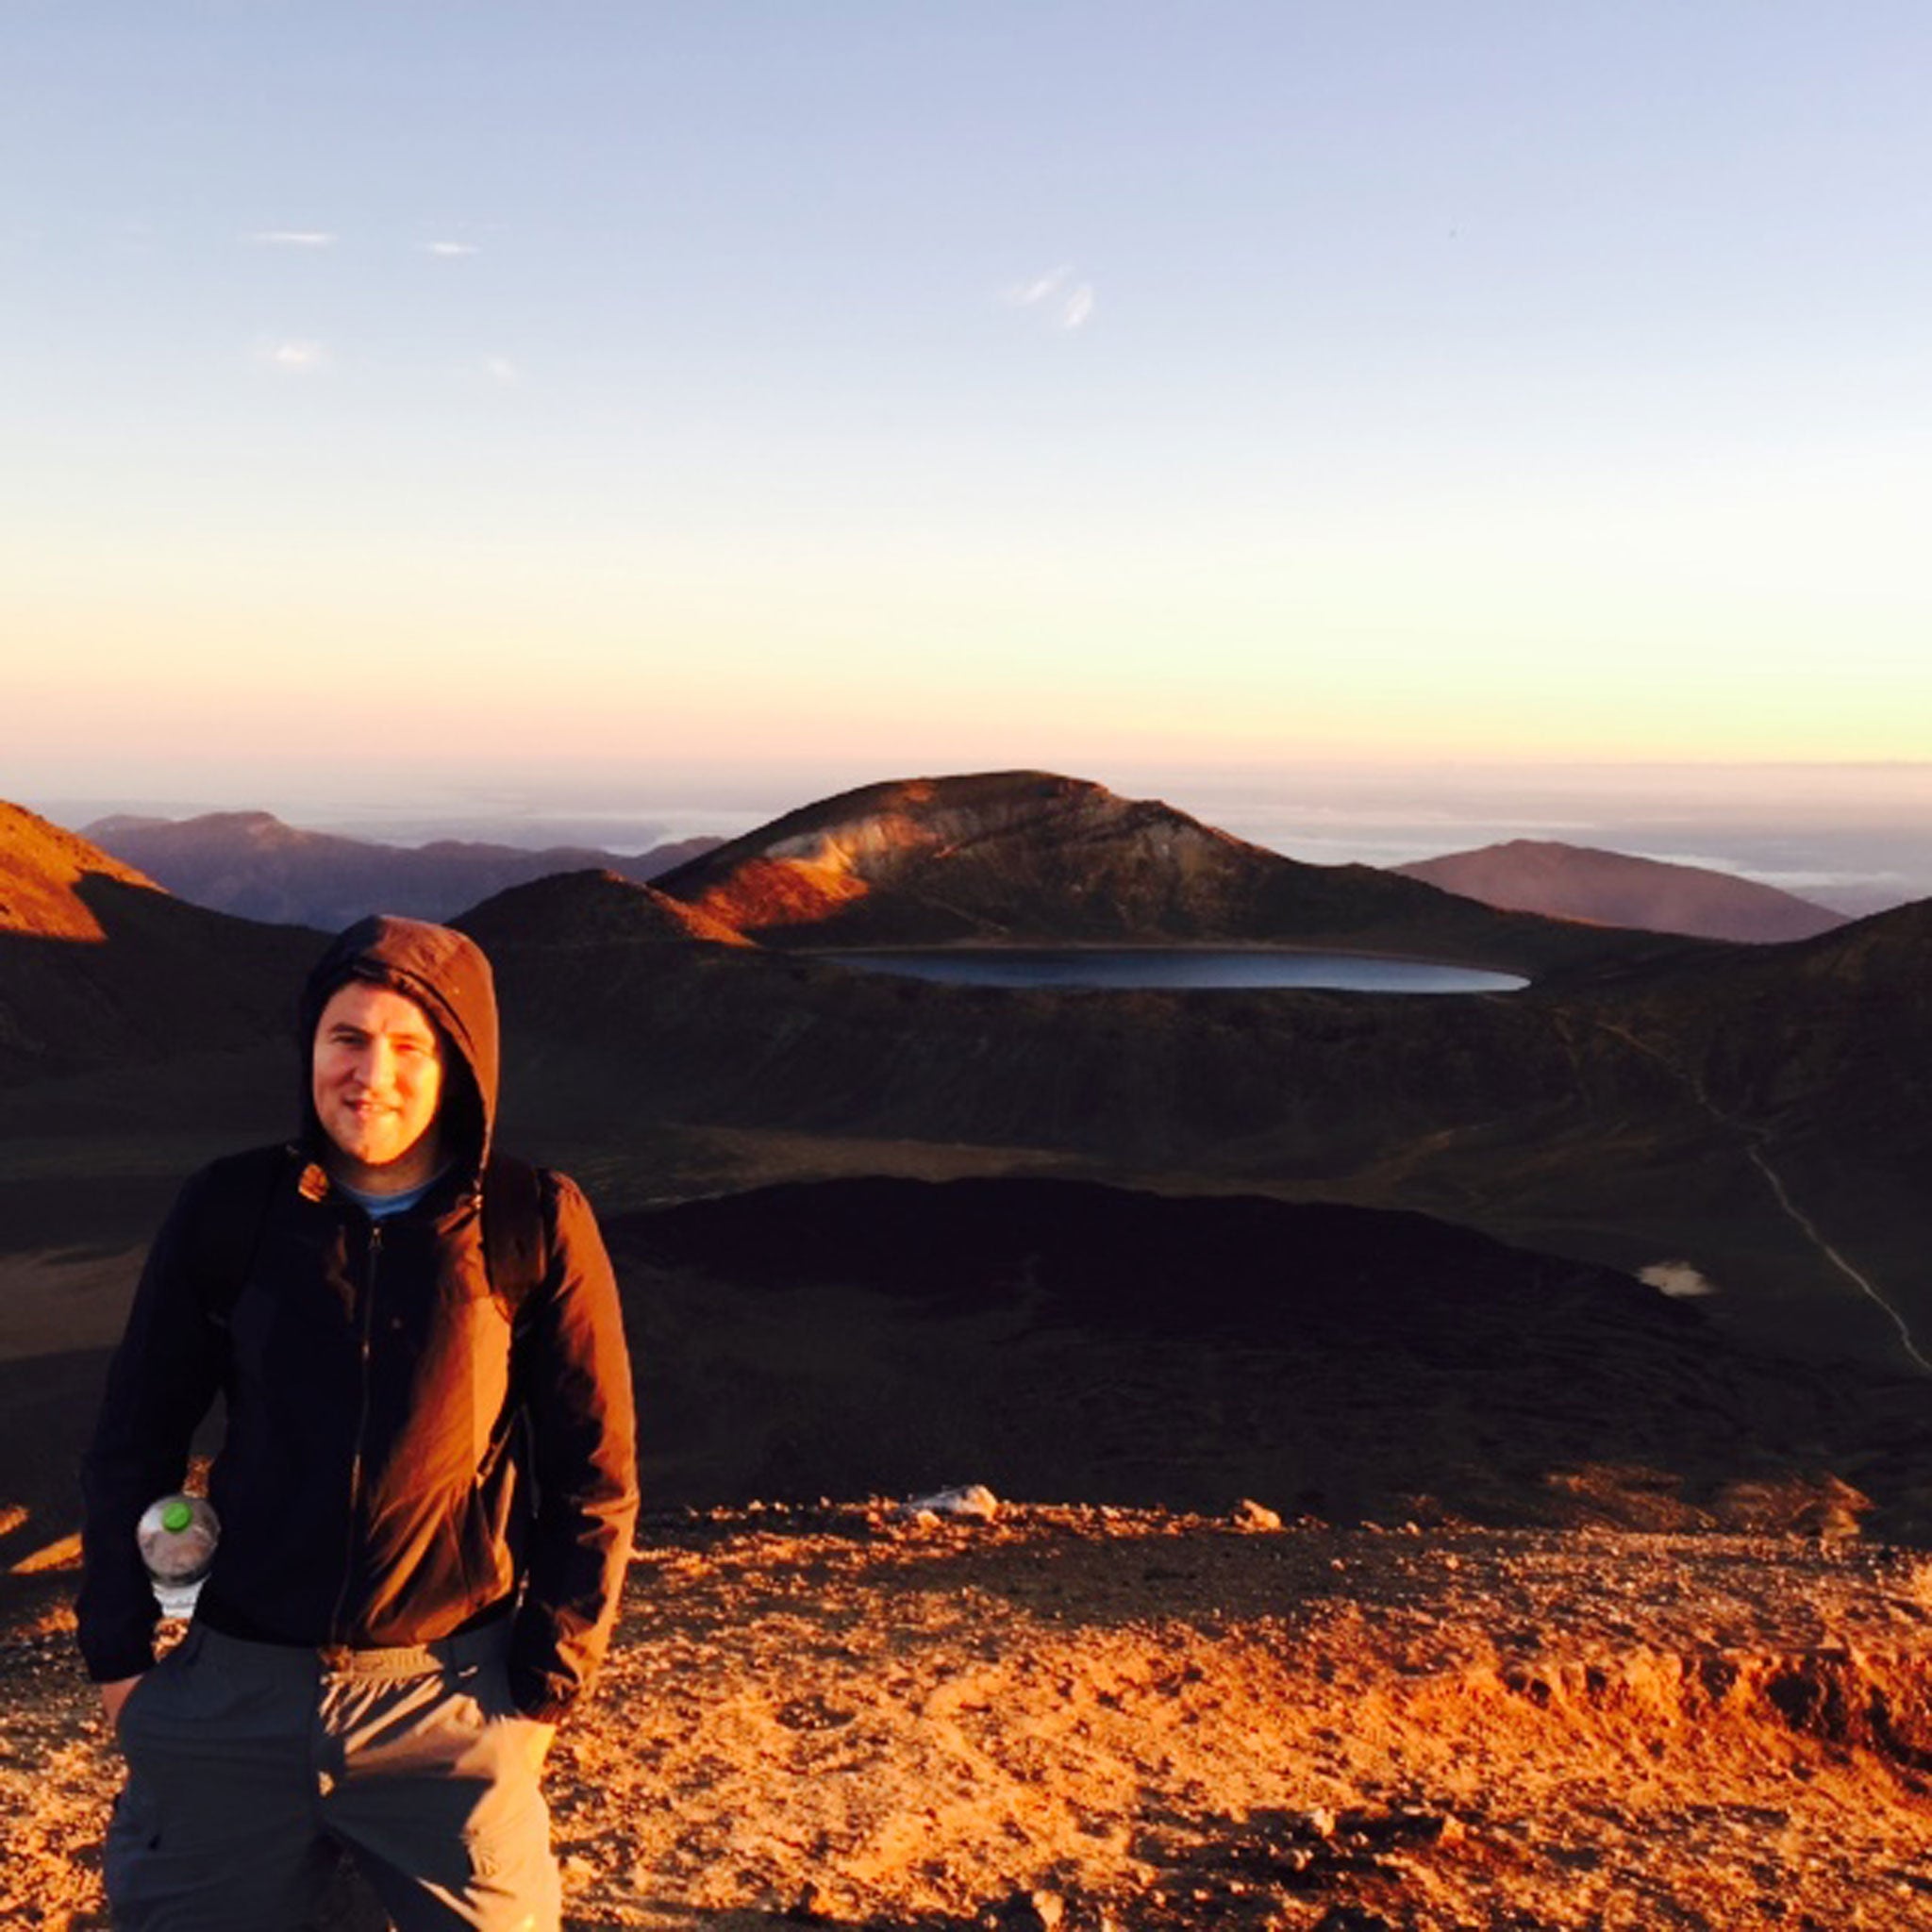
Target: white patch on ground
(1678, 1280)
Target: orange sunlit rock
(764, 893)
(41, 865)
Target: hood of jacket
(446, 973)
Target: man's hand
(115, 1694)
(537, 1738)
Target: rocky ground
(1091, 1718)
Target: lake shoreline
(1186, 966)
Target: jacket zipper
(337, 1621)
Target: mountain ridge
(591, 907)
(1562, 880)
(1037, 857)
(257, 866)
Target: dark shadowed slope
(1057, 1338)
(1030, 856)
(251, 863)
(100, 969)
(1832, 1034)
(590, 908)
(1060, 1339)
(1815, 1060)
(1614, 889)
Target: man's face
(377, 1074)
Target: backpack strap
(516, 1248)
(231, 1215)
(238, 1194)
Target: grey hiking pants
(249, 1763)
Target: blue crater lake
(1176, 968)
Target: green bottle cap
(177, 1514)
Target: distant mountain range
(253, 864)
(1763, 1114)
(1613, 889)
(989, 858)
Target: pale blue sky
(880, 388)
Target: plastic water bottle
(177, 1536)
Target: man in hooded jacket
(426, 1489)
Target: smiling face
(376, 1078)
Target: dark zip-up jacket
(375, 1485)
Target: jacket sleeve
(577, 1387)
(160, 1383)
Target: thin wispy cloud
(1058, 297)
(1026, 294)
(292, 357)
(449, 250)
(291, 238)
(499, 369)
